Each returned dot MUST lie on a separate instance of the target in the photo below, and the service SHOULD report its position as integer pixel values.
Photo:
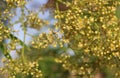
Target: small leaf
(118, 12)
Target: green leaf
(118, 12)
(3, 50)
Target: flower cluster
(46, 39)
(16, 67)
(92, 29)
(15, 3)
(4, 32)
(33, 21)
(77, 67)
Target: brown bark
(5, 75)
(100, 75)
(52, 4)
(72, 75)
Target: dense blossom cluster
(92, 29)
(16, 67)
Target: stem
(57, 9)
(23, 49)
(24, 30)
